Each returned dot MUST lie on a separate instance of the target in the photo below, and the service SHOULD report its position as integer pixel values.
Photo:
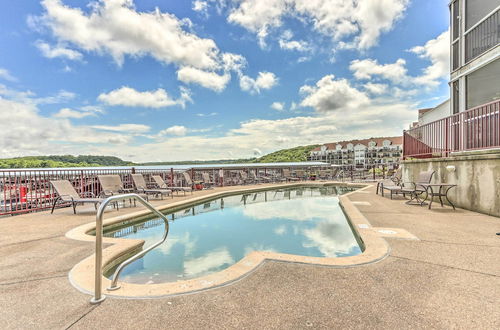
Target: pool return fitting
(98, 296)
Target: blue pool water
(214, 235)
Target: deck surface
(450, 278)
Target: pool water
(214, 235)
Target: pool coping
(81, 276)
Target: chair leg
(54, 205)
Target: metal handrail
(98, 296)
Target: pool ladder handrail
(98, 296)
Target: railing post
(171, 176)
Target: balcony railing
(477, 128)
(483, 37)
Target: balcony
(477, 128)
(482, 37)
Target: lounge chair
(288, 176)
(112, 185)
(67, 194)
(415, 190)
(393, 185)
(141, 186)
(162, 184)
(207, 182)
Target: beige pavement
(448, 278)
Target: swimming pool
(214, 235)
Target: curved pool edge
(81, 276)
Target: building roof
(395, 140)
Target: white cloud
(369, 68)
(57, 51)
(4, 74)
(130, 97)
(265, 80)
(361, 22)
(47, 135)
(174, 130)
(128, 128)
(286, 43)
(118, 29)
(258, 16)
(200, 6)
(329, 95)
(376, 89)
(206, 79)
(70, 113)
(278, 106)
(437, 51)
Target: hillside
(62, 161)
(297, 154)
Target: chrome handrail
(98, 296)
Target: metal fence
(477, 128)
(29, 190)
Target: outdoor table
(438, 190)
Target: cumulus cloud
(360, 22)
(330, 94)
(278, 106)
(43, 135)
(4, 74)
(287, 43)
(376, 89)
(200, 6)
(174, 130)
(368, 68)
(116, 28)
(57, 51)
(206, 79)
(435, 50)
(265, 80)
(130, 97)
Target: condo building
(357, 154)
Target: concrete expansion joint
(442, 265)
(32, 240)
(82, 316)
(35, 279)
(457, 243)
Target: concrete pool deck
(448, 278)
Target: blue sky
(211, 79)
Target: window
(455, 27)
(476, 10)
(482, 85)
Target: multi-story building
(382, 151)
(465, 145)
(475, 53)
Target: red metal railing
(477, 128)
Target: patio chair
(141, 186)
(392, 184)
(207, 182)
(112, 185)
(67, 194)
(287, 175)
(415, 189)
(163, 185)
(244, 179)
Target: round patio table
(438, 190)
